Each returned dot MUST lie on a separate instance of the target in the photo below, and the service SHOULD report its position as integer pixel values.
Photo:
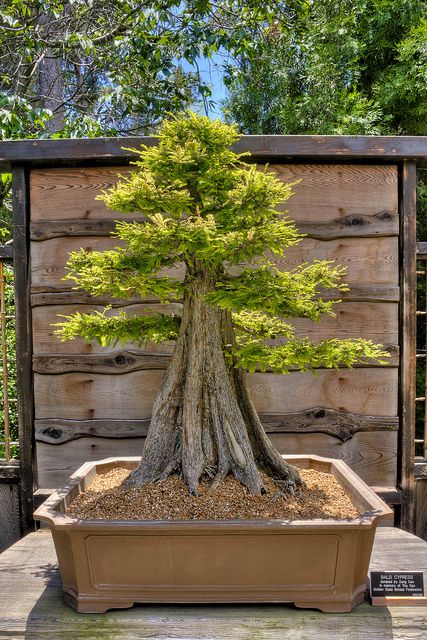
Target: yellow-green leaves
(120, 275)
(120, 328)
(291, 294)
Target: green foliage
(326, 67)
(120, 328)
(113, 67)
(11, 366)
(203, 207)
(120, 274)
(303, 354)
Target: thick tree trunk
(203, 421)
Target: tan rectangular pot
(317, 563)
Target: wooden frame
(408, 284)
(318, 148)
(21, 213)
(406, 152)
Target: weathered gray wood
(422, 250)
(6, 252)
(10, 529)
(371, 454)
(31, 606)
(408, 283)
(82, 396)
(24, 347)
(317, 420)
(41, 230)
(124, 361)
(383, 223)
(363, 293)
(300, 148)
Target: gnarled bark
(203, 419)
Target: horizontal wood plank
(381, 224)
(373, 321)
(47, 342)
(316, 420)
(125, 361)
(363, 293)
(67, 193)
(83, 396)
(367, 260)
(326, 193)
(371, 454)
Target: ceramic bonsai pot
(113, 564)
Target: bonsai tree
(202, 206)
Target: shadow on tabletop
(51, 618)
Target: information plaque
(395, 587)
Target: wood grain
(127, 360)
(67, 193)
(373, 321)
(381, 224)
(372, 455)
(384, 223)
(317, 420)
(42, 230)
(328, 192)
(408, 284)
(46, 340)
(48, 260)
(363, 293)
(83, 396)
(367, 261)
(366, 391)
(24, 346)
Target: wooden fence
(357, 207)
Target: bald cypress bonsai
(201, 205)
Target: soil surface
(322, 497)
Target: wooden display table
(31, 605)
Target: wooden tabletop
(31, 606)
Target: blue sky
(212, 74)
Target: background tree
(205, 208)
(335, 67)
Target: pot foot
(96, 605)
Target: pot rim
(51, 510)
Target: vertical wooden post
(24, 343)
(408, 285)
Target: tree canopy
(202, 207)
(335, 67)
